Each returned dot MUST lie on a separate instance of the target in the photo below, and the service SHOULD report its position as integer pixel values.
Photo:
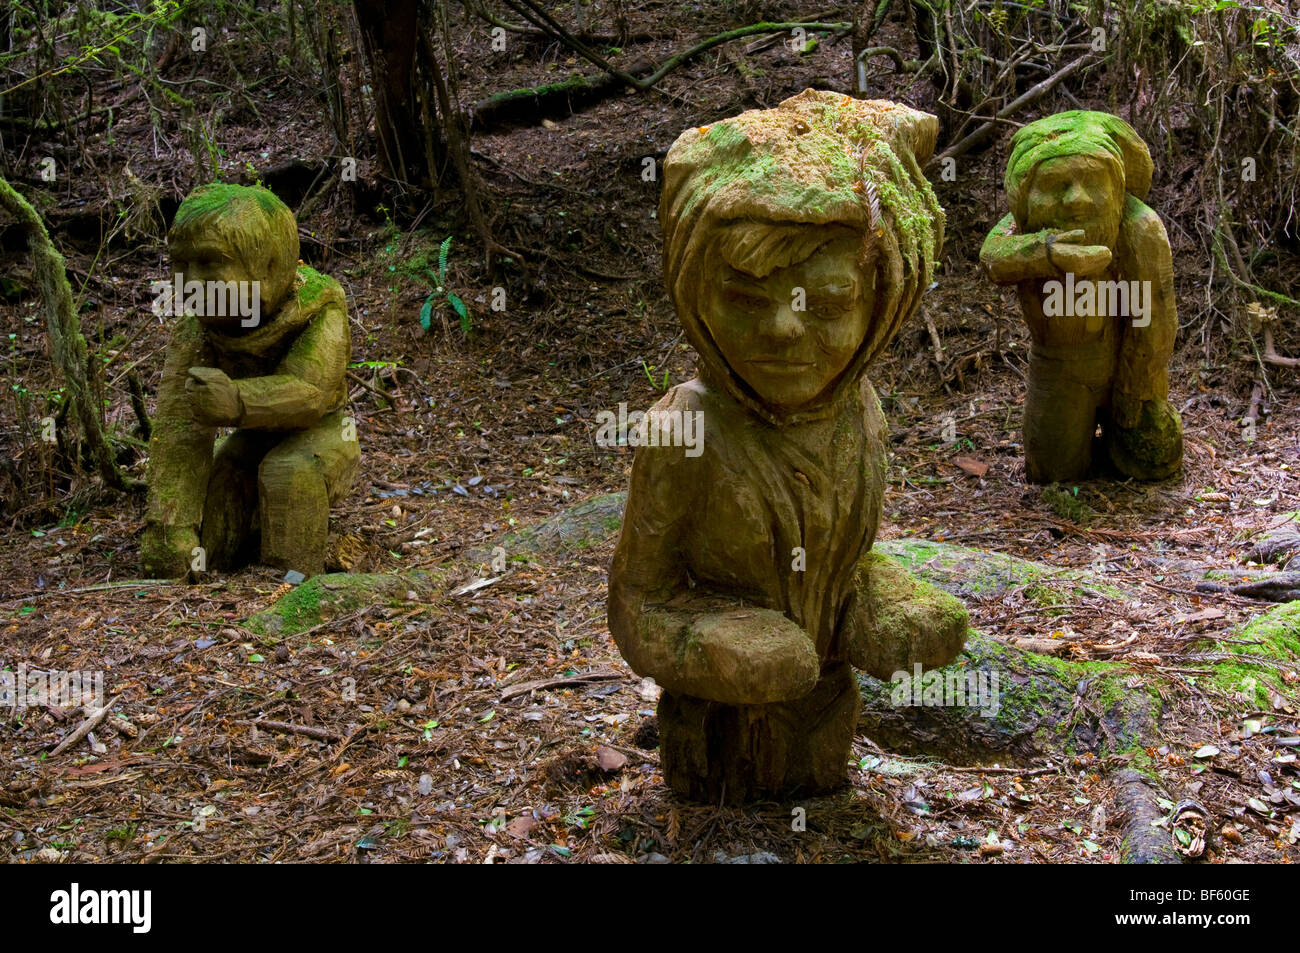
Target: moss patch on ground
(1274, 639)
(1067, 505)
(330, 595)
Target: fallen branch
(478, 9)
(583, 679)
(1145, 840)
(101, 587)
(535, 13)
(556, 100)
(900, 63)
(1279, 587)
(320, 734)
(388, 398)
(1270, 352)
(1256, 398)
(93, 717)
(1035, 92)
(478, 584)
(934, 338)
(530, 105)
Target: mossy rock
(1025, 707)
(331, 595)
(580, 527)
(974, 574)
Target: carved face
(207, 260)
(1076, 191)
(790, 335)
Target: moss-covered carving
(1093, 271)
(260, 344)
(796, 241)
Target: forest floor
(465, 436)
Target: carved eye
(830, 305)
(745, 300)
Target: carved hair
(760, 248)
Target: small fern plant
(438, 280)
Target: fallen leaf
(972, 466)
(521, 825)
(1201, 616)
(609, 759)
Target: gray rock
(762, 857)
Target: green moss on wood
(1274, 638)
(220, 198)
(330, 595)
(313, 284)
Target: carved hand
(751, 656)
(1067, 255)
(739, 656)
(899, 620)
(214, 398)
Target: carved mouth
(773, 365)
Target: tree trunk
(404, 106)
(6, 17)
(66, 341)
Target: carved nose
(1075, 198)
(783, 325)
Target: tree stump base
(732, 754)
